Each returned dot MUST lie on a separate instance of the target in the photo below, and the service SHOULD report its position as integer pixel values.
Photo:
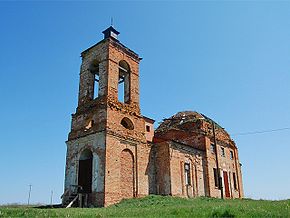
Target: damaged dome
(181, 118)
(188, 123)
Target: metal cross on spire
(111, 21)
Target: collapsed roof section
(189, 127)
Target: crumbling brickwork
(189, 136)
(113, 151)
(112, 130)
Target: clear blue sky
(228, 60)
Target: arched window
(86, 154)
(187, 174)
(94, 69)
(124, 82)
(127, 123)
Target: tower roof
(111, 32)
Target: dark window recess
(231, 155)
(222, 151)
(94, 69)
(216, 181)
(235, 180)
(187, 174)
(127, 123)
(212, 148)
(147, 128)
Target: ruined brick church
(113, 151)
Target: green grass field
(159, 206)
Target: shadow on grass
(222, 213)
(48, 206)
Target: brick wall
(129, 161)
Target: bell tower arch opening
(94, 69)
(106, 123)
(85, 171)
(124, 82)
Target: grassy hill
(160, 206)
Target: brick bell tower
(107, 151)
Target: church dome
(188, 123)
(178, 120)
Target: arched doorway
(85, 171)
(127, 174)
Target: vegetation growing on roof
(182, 117)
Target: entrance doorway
(85, 172)
(226, 183)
